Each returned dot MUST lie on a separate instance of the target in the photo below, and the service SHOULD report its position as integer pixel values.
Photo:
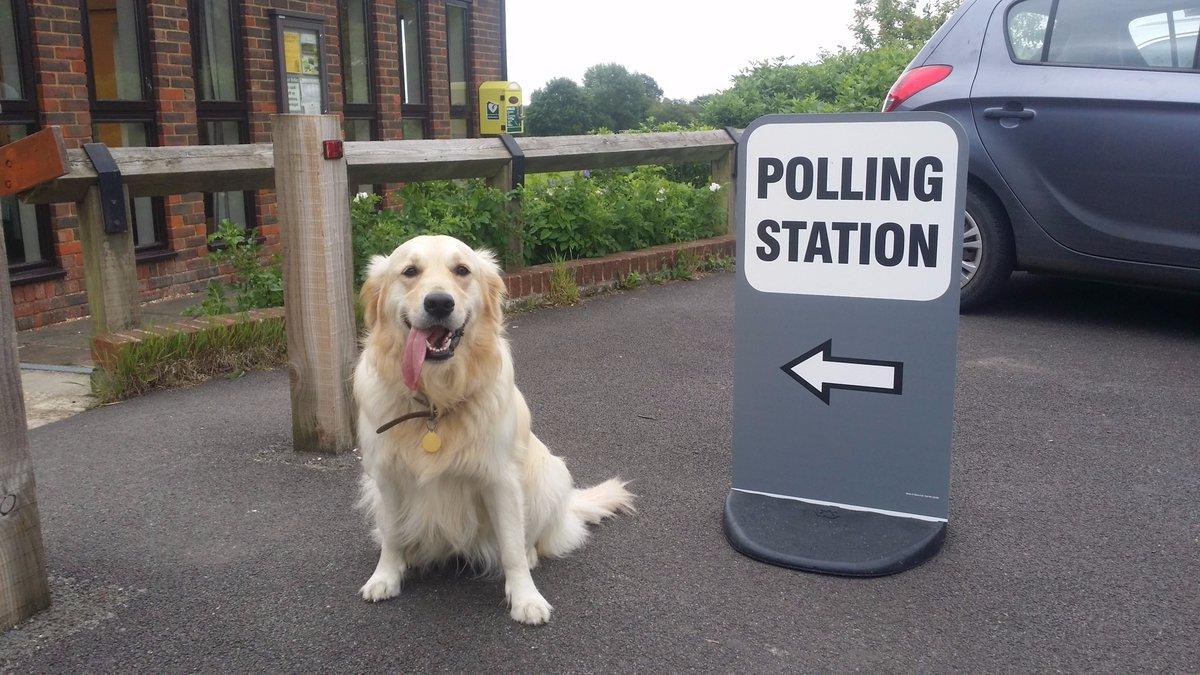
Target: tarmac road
(183, 534)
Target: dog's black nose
(439, 305)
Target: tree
(559, 109)
(674, 110)
(909, 23)
(889, 33)
(619, 99)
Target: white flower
(714, 187)
(662, 191)
(362, 195)
(550, 192)
(660, 199)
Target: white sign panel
(851, 210)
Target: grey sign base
(827, 539)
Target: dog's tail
(598, 502)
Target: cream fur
(493, 495)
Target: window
(1129, 34)
(27, 235)
(1167, 39)
(221, 206)
(360, 130)
(356, 52)
(300, 63)
(414, 108)
(221, 109)
(145, 212)
(458, 57)
(122, 110)
(1027, 29)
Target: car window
(1167, 39)
(1142, 34)
(1027, 23)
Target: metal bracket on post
(112, 193)
(736, 136)
(518, 159)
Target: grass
(564, 291)
(182, 359)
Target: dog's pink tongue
(414, 356)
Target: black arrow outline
(826, 349)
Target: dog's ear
(495, 290)
(372, 290)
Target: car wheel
(987, 253)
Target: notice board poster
(302, 70)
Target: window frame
(416, 111)
(1043, 59)
(223, 111)
(462, 112)
(132, 112)
(108, 110)
(25, 107)
(250, 197)
(280, 20)
(24, 112)
(370, 109)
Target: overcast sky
(690, 47)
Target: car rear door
(1091, 112)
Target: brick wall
(59, 60)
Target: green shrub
(468, 210)
(565, 216)
(850, 80)
(576, 216)
(253, 285)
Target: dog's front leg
(506, 508)
(389, 572)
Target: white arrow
(821, 373)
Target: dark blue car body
(1084, 125)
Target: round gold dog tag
(431, 442)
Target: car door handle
(1009, 113)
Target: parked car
(1084, 125)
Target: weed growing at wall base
(185, 358)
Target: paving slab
(68, 343)
(184, 534)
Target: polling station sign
(845, 320)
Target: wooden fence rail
(313, 203)
(170, 170)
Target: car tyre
(988, 256)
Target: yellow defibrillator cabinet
(501, 110)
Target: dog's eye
(411, 271)
(461, 270)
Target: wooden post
(109, 268)
(314, 219)
(513, 257)
(722, 173)
(23, 589)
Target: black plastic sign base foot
(828, 539)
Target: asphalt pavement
(184, 535)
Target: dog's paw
(380, 587)
(531, 610)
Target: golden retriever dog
(465, 478)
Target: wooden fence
(314, 212)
